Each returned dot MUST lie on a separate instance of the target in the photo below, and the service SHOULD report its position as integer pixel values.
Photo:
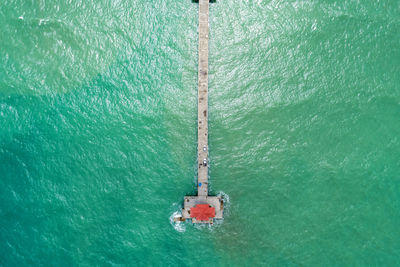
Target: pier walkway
(202, 116)
(202, 208)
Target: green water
(98, 132)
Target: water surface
(98, 132)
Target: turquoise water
(98, 133)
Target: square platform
(192, 201)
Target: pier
(202, 208)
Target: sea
(98, 119)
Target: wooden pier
(202, 97)
(202, 208)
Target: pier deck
(202, 116)
(196, 204)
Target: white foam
(178, 226)
(225, 198)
